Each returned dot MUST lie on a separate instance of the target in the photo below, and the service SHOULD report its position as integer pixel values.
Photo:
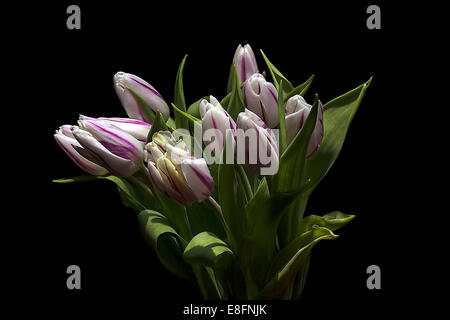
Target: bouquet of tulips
(220, 187)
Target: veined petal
(198, 177)
(117, 165)
(115, 140)
(123, 82)
(163, 185)
(67, 144)
(136, 128)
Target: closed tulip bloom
(261, 97)
(214, 116)
(261, 155)
(136, 128)
(296, 112)
(124, 83)
(176, 172)
(74, 150)
(118, 151)
(245, 62)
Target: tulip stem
(247, 185)
(213, 204)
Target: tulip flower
(118, 151)
(261, 146)
(75, 151)
(261, 97)
(138, 129)
(126, 83)
(215, 117)
(176, 172)
(296, 112)
(245, 62)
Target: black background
(87, 225)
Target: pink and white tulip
(296, 112)
(245, 62)
(261, 97)
(124, 82)
(214, 117)
(175, 172)
(76, 152)
(116, 150)
(261, 144)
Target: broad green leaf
(179, 100)
(277, 76)
(165, 241)
(338, 114)
(264, 212)
(157, 125)
(141, 198)
(203, 218)
(208, 250)
(332, 221)
(145, 108)
(193, 109)
(231, 195)
(289, 260)
(301, 89)
(236, 103)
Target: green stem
(139, 183)
(216, 207)
(247, 185)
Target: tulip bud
(74, 150)
(245, 62)
(261, 97)
(261, 146)
(176, 172)
(136, 128)
(215, 117)
(297, 110)
(124, 82)
(119, 152)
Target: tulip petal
(198, 178)
(68, 145)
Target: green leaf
(170, 123)
(333, 221)
(232, 77)
(179, 101)
(145, 108)
(289, 260)
(236, 103)
(292, 161)
(231, 195)
(158, 125)
(203, 218)
(193, 109)
(189, 118)
(165, 241)
(277, 76)
(338, 114)
(264, 212)
(301, 89)
(225, 102)
(281, 116)
(208, 250)
(141, 198)
(79, 179)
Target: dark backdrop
(86, 224)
